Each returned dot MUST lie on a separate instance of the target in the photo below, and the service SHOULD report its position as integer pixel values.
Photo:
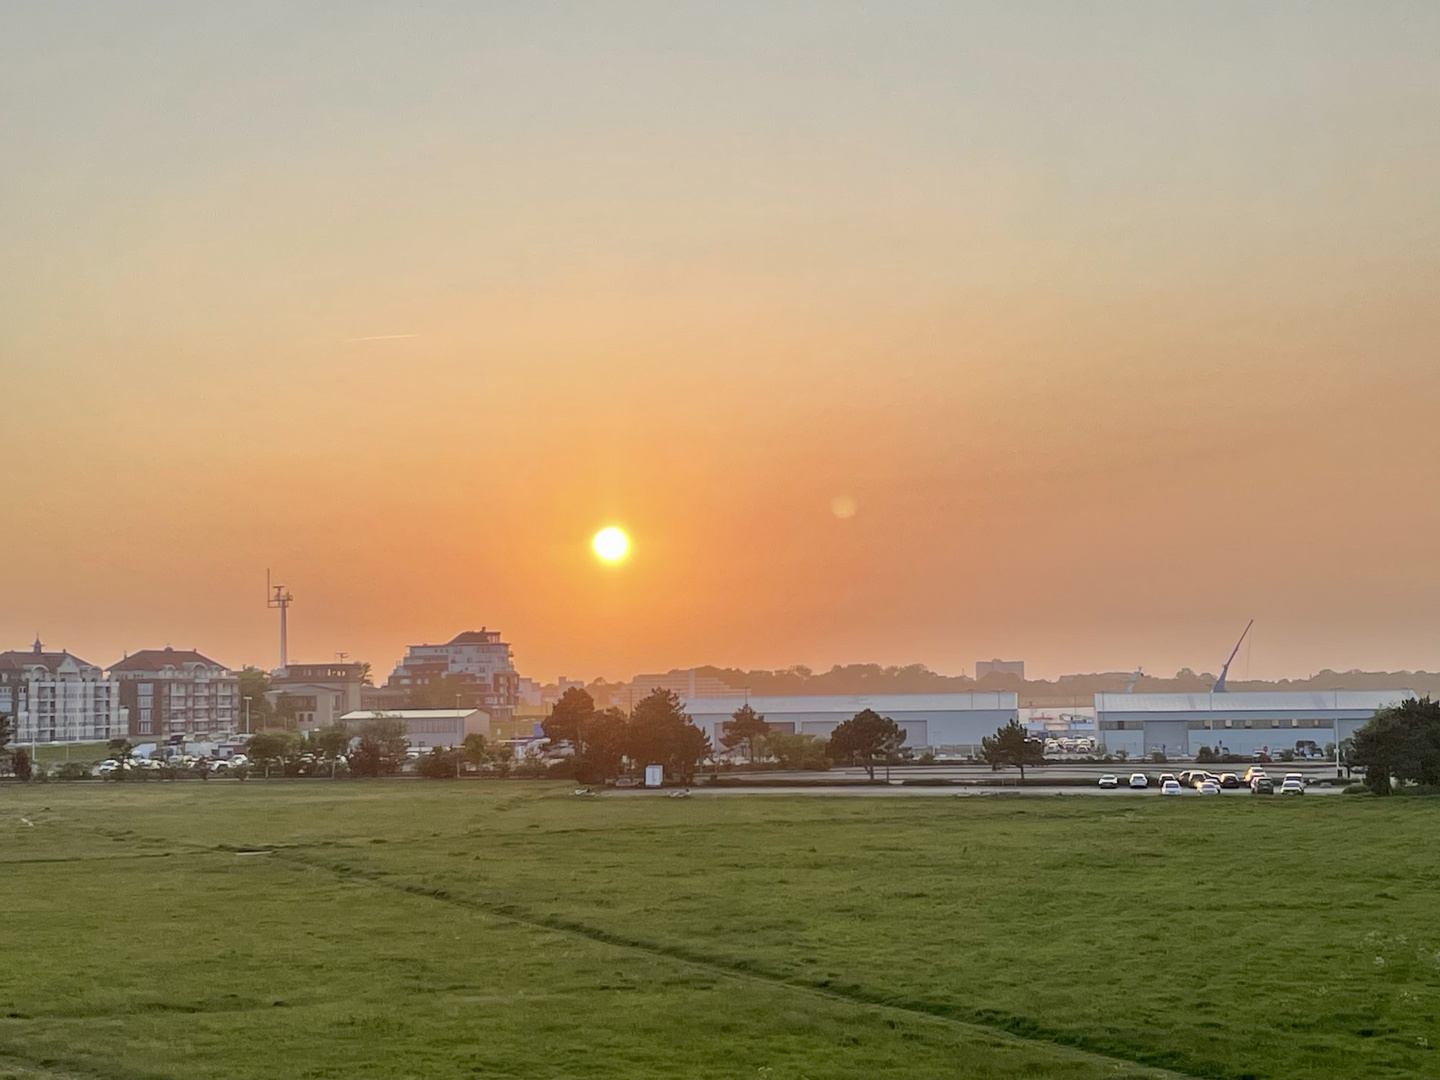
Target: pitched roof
(20, 659)
(476, 637)
(156, 659)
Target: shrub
(73, 770)
(1355, 789)
(439, 764)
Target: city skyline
(1077, 335)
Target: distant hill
(1077, 689)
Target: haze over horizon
(1118, 325)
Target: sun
(611, 544)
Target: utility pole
(247, 714)
(277, 596)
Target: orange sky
(1121, 326)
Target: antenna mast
(277, 596)
(1219, 687)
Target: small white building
(426, 729)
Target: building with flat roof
(318, 694)
(948, 724)
(426, 729)
(1235, 722)
(55, 697)
(1000, 667)
(176, 692)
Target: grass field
(510, 930)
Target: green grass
(51, 754)
(509, 930)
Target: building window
(144, 727)
(1229, 724)
(1274, 723)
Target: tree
(660, 733)
(605, 734)
(267, 748)
(1012, 745)
(794, 751)
(7, 730)
(21, 765)
(473, 749)
(567, 720)
(382, 746)
(866, 739)
(1400, 743)
(121, 750)
(439, 764)
(332, 741)
(744, 727)
(255, 684)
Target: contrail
(384, 337)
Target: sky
(1104, 327)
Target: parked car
(1208, 787)
(1139, 780)
(1109, 783)
(1262, 785)
(1297, 777)
(1170, 787)
(1252, 772)
(1292, 787)
(1199, 778)
(1229, 780)
(1166, 777)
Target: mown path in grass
(1218, 939)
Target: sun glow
(611, 545)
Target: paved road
(1060, 770)
(890, 791)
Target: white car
(1170, 787)
(1109, 783)
(1139, 780)
(1209, 787)
(1292, 786)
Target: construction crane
(1219, 687)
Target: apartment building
(55, 697)
(479, 665)
(169, 692)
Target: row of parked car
(1207, 783)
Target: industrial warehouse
(949, 724)
(1178, 725)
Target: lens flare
(610, 545)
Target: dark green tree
(269, 748)
(21, 765)
(1400, 743)
(744, 728)
(255, 684)
(382, 747)
(7, 730)
(795, 751)
(605, 736)
(1012, 745)
(866, 739)
(567, 720)
(660, 733)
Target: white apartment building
(54, 697)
